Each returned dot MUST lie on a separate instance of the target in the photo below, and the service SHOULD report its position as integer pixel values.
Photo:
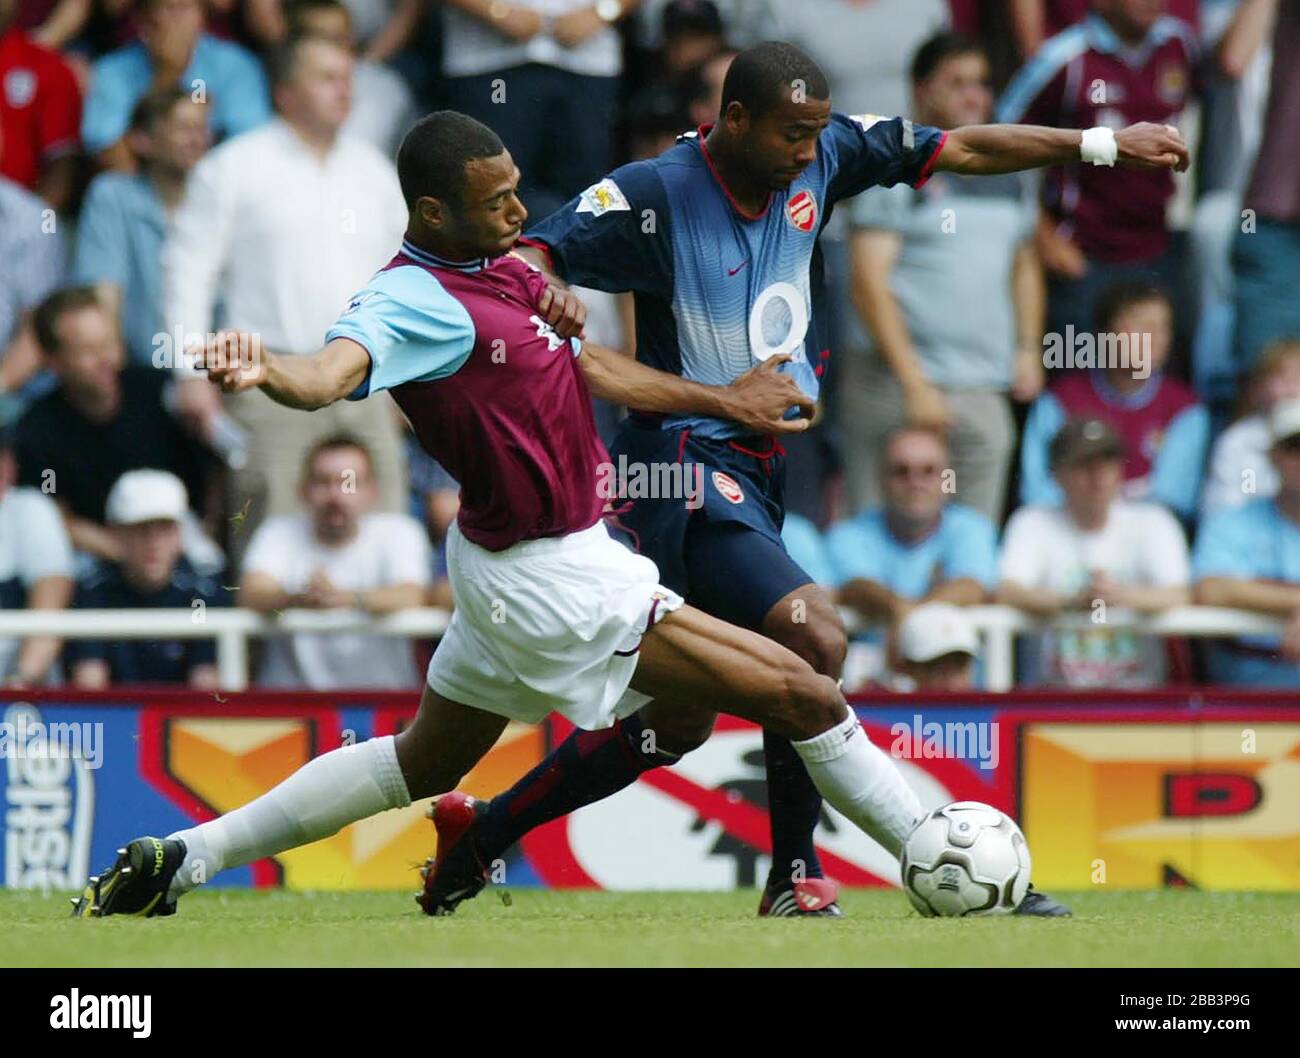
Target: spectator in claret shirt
(146, 509)
(173, 49)
(1248, 557)
(1166, 431)
(1125, 62)
(40, 108)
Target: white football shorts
(548, 625)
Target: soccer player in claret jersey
(551, 613)
(716, 239)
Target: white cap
(934, 629)
(1284, 422)
(146, 496)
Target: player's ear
(431, 212)
(736, 117)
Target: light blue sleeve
(855, 553)
(1223, 545)
(1180, 464)
(973, 550)
(412, 328)
(115, 87)
(1046, 417)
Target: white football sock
(859, 779)
(319, 799)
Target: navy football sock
(585, 767)
(794, 806)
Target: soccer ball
(966, 858)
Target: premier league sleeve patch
(604, 197)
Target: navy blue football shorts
(719, 545)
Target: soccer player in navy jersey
(551, 613)
(717, 240)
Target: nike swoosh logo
(733, 271)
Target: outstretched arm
(985, 149)
(237, 361)
(758, 399)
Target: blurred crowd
(1073, 392)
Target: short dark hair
(1124, 294)
(761, 76)
(433, 155)
(331, 442)
(294, 10)
(154, 107)
(45, 320)
(943, 46)
(282, 60)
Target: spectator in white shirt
(281, 226)
(1099, 555)
(338, 553)
(382, 105)
(1241, 465)
(35, 571)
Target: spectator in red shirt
(1125, 62)
(40, 111)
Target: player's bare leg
(319, 799)
(690, 657)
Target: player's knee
(820, 641)
(677, 730)
(808, 703)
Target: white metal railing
(233, 628)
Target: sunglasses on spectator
(921, 470)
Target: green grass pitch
(555, 928)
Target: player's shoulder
(405, 284)
(629, 187)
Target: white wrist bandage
(1098, 146)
